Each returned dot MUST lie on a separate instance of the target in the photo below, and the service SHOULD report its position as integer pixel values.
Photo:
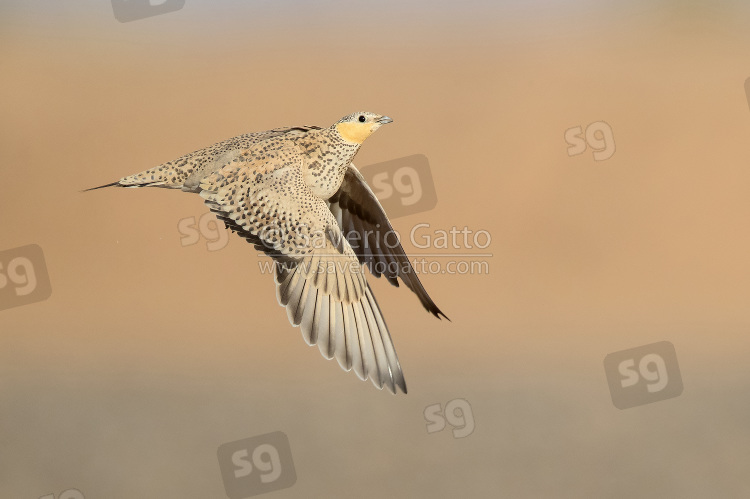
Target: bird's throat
(356, 133)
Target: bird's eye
(362, 118)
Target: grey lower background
(545, 434)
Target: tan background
(150, 355)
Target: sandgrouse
(295, 195)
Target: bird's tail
(113, 184)
(161, 176)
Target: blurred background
(150, 354)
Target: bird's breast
(324, 176)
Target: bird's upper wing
(318, 277)
(206, 161)
(368, 230)
(187, 171)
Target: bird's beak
(384, 119)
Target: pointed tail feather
(127, 182)
(113, 184)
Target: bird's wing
(187, 171)
(215, 158)
(368, 230)
(318, 277)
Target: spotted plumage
(295, 195)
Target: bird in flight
(295, 195)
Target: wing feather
(369, 232)
(323, 289)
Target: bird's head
(356, 127)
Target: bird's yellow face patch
(355, 132)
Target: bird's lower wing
(318, 277)
(368, 230)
